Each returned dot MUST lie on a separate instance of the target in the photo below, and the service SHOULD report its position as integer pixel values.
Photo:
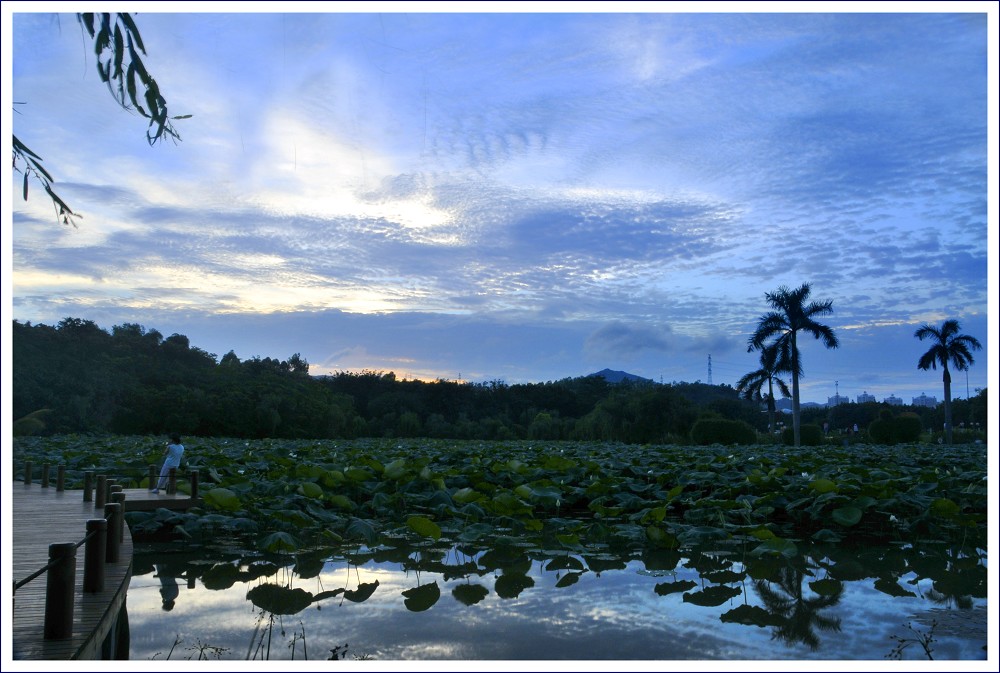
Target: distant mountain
(785, 404)
(612, 376)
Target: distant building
(865, 397)
(924, 401)
(835, 400)
(893, 400)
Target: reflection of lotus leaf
(510, 586)
(724, 577)
(826, 587)
(309, 566)
(280, 600)
(220, 576)
(751, 615)
(712, 596)
(362, 593)
(564, 563)
(598, 563)
(568, 579)
(660, 559)
(470, 594)
(423, 597)
(888, 585)
(666, 588)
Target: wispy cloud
(587, 186)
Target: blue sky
(519, 196)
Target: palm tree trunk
(795, 391)
(770, 408)
(947, 404)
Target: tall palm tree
(750, 386)
(949, 346)
(790, 316)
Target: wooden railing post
(101, 491)
(94, 555)
(61, 478)
(45, 475)
(118, 497)
(153, 477)
(194, 484)
(59, 591)
(27, 472)
(172, 481)
(113, 513)
(88, 486)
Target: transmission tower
(709, 369)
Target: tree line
(76, 377)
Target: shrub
(880, 431)
(902, 429)
(722, 431)
(906, 428)
(809, 435)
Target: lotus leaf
(222, 498)
(423, 526)
(712, 596)
(279, 600)
(422, 597)
(470, 594)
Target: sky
(484, 191)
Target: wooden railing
(88, 485)
(103, 539)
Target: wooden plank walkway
(44, 516)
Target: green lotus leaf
(279, 542)
(778, 546)
(945, 508)
(466, 495)
(424, 527)
(823, 486)
(847, 516)
(222, 498)
(310, 489)
(342, 502)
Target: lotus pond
(427, 549)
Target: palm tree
(798, 616)
(949, 346)
(790, 316)
(749, 387)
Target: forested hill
(78, 377)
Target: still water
(526, 604)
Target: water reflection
(511, 602)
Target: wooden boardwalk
(44, 516)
